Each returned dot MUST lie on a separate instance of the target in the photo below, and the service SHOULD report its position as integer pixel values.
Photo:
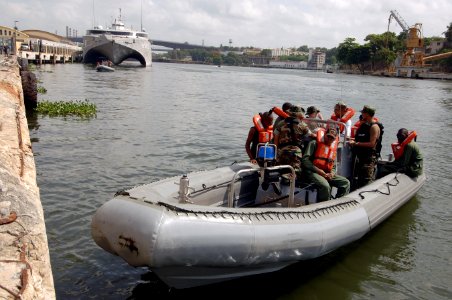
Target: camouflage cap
(368, 110)
(296, 111)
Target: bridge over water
(178, 45)
(167, 44)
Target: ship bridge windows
(120, 33)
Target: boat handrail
(281, 167)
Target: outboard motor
(266, 154)
(266, 157)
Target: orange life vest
(265, 134)
(398, 148)
(324, 155)
(358, 124)
(280, 112)
(349, 113)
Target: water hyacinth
(42, 90)
(78, 108)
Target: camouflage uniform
(291, 143)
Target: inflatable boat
(239, 220)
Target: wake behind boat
(102, 68)
(117, 44)
(240, 220)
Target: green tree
(303, 48)
(380, 46)
(266, 52)
(448, 35)
(232, 59)
(353, 54)
(330, 56)
(344, 53)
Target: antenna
(141, 29)
(94, 19)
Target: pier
(39, 46)
(25, 270)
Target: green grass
(78, 108)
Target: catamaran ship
(116, 43)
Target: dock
(25, 269)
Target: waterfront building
(288, 64)
(435, 47)
(38, 46)
(316, 59)
(12, 39)
(281, 52)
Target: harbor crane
(414, 53)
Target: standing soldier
(365, 148)
(289, 139)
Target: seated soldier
(408, 157)
(319, 165)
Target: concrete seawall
(25, 270)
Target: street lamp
(14, 42)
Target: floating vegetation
(78, 108)
(42, 90)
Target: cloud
(260, 23)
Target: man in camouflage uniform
(290, 137)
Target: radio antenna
(94, 19)
(141, 29)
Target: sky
(257, 23)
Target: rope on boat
(387, 184)
(265, 215)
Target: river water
(173, 118)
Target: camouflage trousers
(365, 170)
(290, 155)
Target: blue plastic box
(267, 152)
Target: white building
(288, 64)
(434, 47)
(281, 52)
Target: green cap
(368, 110)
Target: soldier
(365, 147)
(319, 165)
(290, 137)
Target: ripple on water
(170, 119)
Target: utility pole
(14, 43)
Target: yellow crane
(414, 53)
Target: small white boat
(239, 220)
(104, 68)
